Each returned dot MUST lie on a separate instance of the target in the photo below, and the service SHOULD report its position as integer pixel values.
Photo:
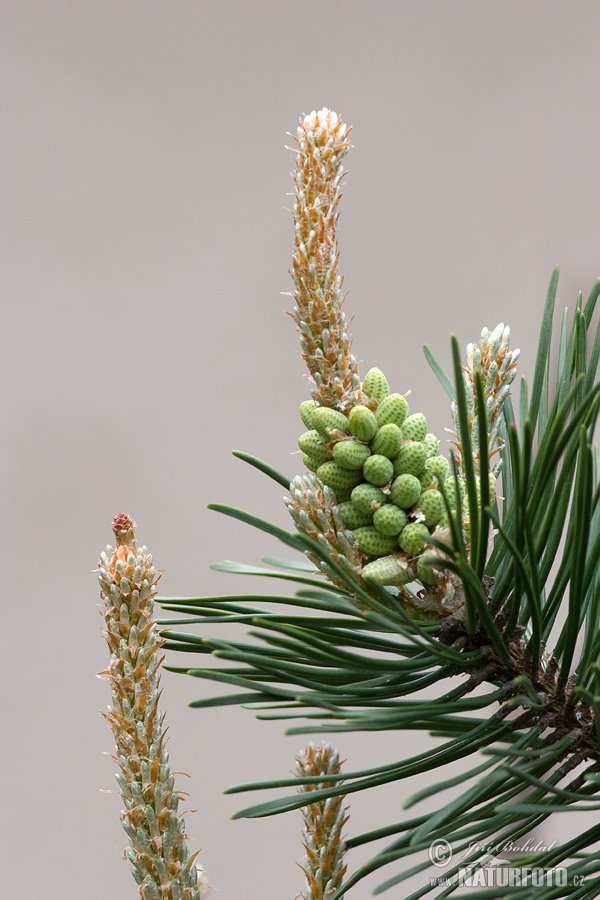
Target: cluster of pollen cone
(385, 471)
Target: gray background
(145, 336)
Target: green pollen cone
(415, 427)
(411, 459)
(311, 443)
(338, 478)
(390, 519)
(353, 517)
(362, 423)
(350, 454)
(378, 470)
(373, 543)
(431, 504)
(413, 538)
(376, 385)
(368, 497)
(325, 419)
(307, 407)
(424, 571)
(392, 409)
(389, 570)
(405, 491)
(387, 441)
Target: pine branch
(416, 591)
(543, 740)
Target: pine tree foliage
(512, 690)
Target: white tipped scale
(503, 395)
(470, 396)
(491, 376)
(494, 344)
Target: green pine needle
(357, 657)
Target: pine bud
(159, 855)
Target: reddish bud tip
(122, 522)
(123, 527)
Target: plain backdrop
(145, 252)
